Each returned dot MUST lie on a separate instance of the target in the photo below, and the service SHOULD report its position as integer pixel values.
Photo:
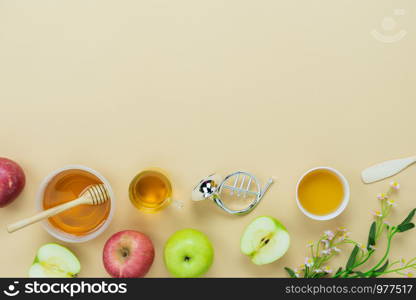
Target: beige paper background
(272, 87)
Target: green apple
(53, 260)
(188, 253)
(265, 240)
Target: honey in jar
(150, 190)
(82, 219)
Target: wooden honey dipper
(93, 195)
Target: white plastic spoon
(386, 169)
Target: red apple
(128, 254)
(12, 181)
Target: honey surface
(81, 219)
(320, 192)
(150, 191)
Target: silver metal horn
(238, 184)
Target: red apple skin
(12, 181)
(128, 254)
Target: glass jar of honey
(151, 190)
(80, 223)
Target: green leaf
(319, 275)
(290, 272)
(361, 274)
(383, 267)
(338, 272)
(351, 260)
(371, 236)
(380, 270)
(405, 227)
(409, 217)
(306, 272)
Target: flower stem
(386, 253)
(399, 269)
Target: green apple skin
(188, 253)
(261, 229)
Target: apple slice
(53, 260)
(265, 240)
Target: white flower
(344, 236)
(395, 185)
(326, 242)
(410, 274)
(372, 247)
(326, 251)
(362, 247)
(336, 249)
(310, 244)
(402, 262)
(342, 229)
(327, 269)
(308, 262)
(329, 234)
(391, 202)
(297, 272)
(376, 213)
(318, 271)
(382, 196)
(341, 238)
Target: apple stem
(124, 252)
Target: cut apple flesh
(38, 270)
(53, 260)
(265, 240)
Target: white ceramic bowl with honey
(81, 223)
(322, 193)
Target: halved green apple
(53, 260)
(265, 240)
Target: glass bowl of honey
(83, 222)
